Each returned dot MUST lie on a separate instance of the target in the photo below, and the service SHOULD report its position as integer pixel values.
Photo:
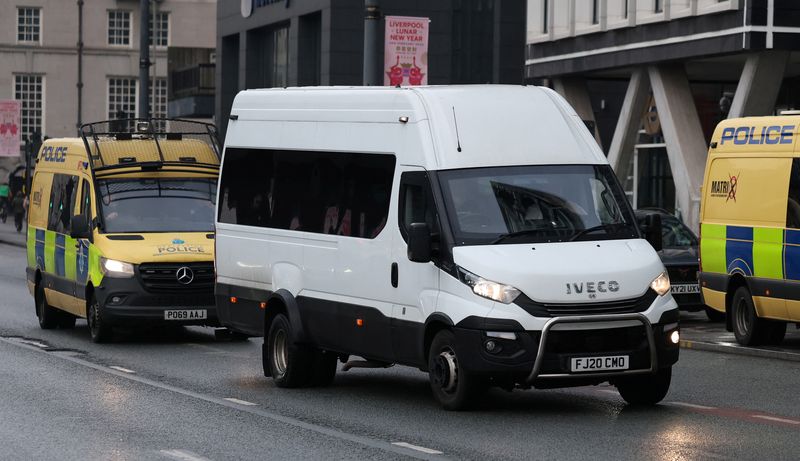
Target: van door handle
(394, 275)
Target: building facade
(269, 43)
(62, 84)
(656, 76)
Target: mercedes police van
(121, 226)
(473, 232)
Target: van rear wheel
(747, 327)
(290, 365)
(47, 314)
(645, 389)
(454, 387)
(100, 331)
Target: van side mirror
(652, 231)
(80, 228)
(419, 242)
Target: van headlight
(114, 268)
(661, 284)
(505, 294)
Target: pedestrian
(18, 206)
(5, 201)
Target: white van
(474, 232)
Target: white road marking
(34, 343)
(691, 405)
(124, 370)
(240, 402)
(779, 420)
(183, 455)
(429, 451)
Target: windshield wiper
(502, 237)
(589, 230)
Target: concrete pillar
(680, 125)
(759, 84)
(574, 90)
(630, 119)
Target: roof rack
(151, 144)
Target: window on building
(321, 192)
(595, 12)
(280, 57)
(29, 21)
(28, 89)
(159, 29)
(658, 7)
(544, 16)
(158, 98)
(119, 27)
(121, 98)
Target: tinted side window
(321, 192)
(416, 202)
(793, 204)
(86, 201)
(62, 203)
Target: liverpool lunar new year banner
(406, 55)
(9, 128)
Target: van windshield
(534, 204)
(157, 205)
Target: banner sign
(9, 127)
(405, 59)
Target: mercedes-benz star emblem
(184, 275)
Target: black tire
(775, 333)
(453, 387)
(99, 329)
(324, 368)
(645, 389)
(66, 321)
(47, 314)
(747, 327)
(714, 315)
(290, 365)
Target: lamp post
(372, 22)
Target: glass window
(86, 201)
(159, 29)
(29, 90)
(119, 27)
(280, 57)
(157, 205)
(552, 203)
(121, 98)
(793, 202)
(62, 203)
(322, 192)
(158, 99)
(28, 24)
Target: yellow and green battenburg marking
(764, 252)
(63, 256)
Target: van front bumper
(647, 346)
(125, 302)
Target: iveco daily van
(474, 232)
(121, 226)
(750, 227)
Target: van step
(365, 364)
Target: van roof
(470, 125)
(753, 135)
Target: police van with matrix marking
(121, 226)
(750, 227)
(473, 232)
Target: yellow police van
(750, 227)
(121, 226)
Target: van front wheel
(48, 315)
(454, 387)
(100, 331)
(645, 389)
(289, 364)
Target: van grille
(625, 306)
(162, 277)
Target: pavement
(9, 234)
(696, 331)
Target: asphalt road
(163, 395)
